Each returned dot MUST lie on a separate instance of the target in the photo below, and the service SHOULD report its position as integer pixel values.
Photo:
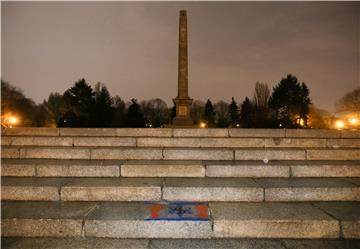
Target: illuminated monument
(183, 101)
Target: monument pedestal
(183, 117)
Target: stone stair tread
(109, 243)
(242, 220)
(183, 182)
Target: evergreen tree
(135, 118)
(81, 99)
(246, 114)
(290, 99)
(103, 106)
(234, 113)
(209, 114)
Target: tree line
(288, 105)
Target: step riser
(181, 142)
(136, 132)
(201, 194)
(180, 154)
(196, 170)
(178, 229)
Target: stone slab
(105, 141)
(17, 170)
(41, 141)
(232, 142)
(31, 188)
(321, 244)
(272, 220)
(54, 153)
(163, 170)
(257, 132)
(43, 219)
(349, 215)
(77, 243)
(350, 133)
(168, 142)
(126, 154)
(303, 189)
(7, 152)
(91, 132)
(268, 154)
(323, 133)
(198, 132)
(127, 220)
(6, 140)
(233, 170)
(215, 244)
(212, 190)
(78, 170)
(198, 154)
(325, 170)
(333, 154)
(102, 189)
(295, 143)
(141, 132)
(31, 131)
(343, 143)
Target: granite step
(182, 142)
(332, 220)
(108, 243)
(159, 153)
(181, 132)
(181, 189)
(177, 168)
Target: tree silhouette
(350, 102)
(135, 118)
(234, 113)
(290, 99)
(209, 114)
(246, 114)
(119, 113)
(222, 114)
(81, 98)
(103, 106)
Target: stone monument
(182, 101)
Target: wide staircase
(180, 188)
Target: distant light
(339, 124)
(301, 122)
(13, 120)
(150, 125)
(280, 125)
(202, 125)
(237, 125)
(353, 121)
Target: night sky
(132, 47)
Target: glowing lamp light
(339, 124)
(353, 121)
(202, 125)
(237, 125)
(13, 120)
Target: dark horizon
(131, 47)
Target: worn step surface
(102, 243)
(159, 153)
(180, 132)
(181, 189)
(177, 168)
(227, 220)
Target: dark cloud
(132, 47)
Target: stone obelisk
(182, 101)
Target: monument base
(180, 122)
(183, 117)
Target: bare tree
(222, 114)
(261, 94)
(350, 102)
